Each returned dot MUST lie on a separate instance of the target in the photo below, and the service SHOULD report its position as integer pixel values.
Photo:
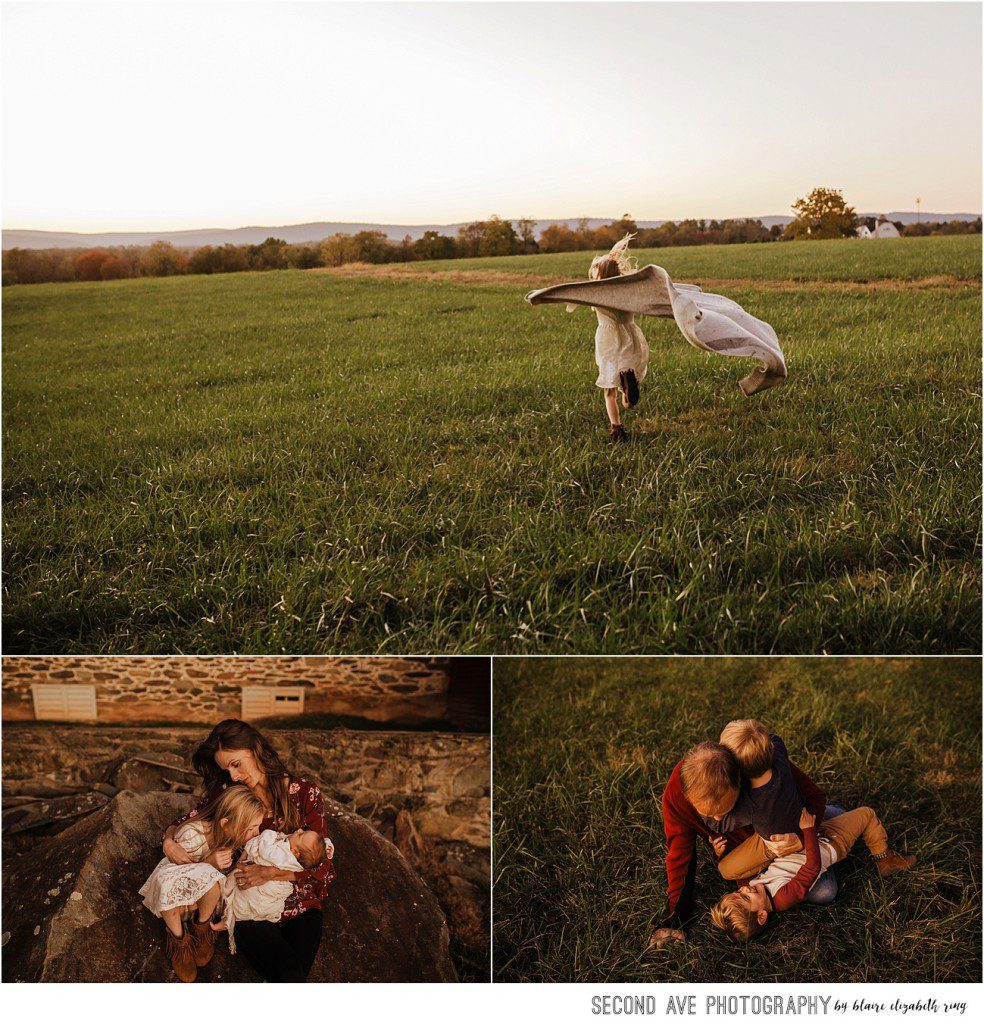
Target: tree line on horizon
(821, 214)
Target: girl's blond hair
(230, 816)
(615, 262)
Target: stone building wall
(442, 779)
(182, 689)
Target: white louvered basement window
(64, 703)
(268, 701)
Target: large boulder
(71, 910)
(141, 775)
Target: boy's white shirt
(784, 869)
(264, 902)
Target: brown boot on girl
(202, 941)
(179, 952)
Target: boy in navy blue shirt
(769, 800)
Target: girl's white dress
(619, 345)
(181, 885)
(263, 902)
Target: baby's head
(751, 744)
(742, 915)
(709, 777)
(308, 847)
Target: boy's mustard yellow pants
(842, 832)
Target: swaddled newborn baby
(302, 850)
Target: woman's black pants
(284, 951)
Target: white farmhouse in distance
(884, 228)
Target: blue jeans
(824, 889)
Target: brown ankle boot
(179, 952)
(893, 862)
(618, 433)
(202, 941)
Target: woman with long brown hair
(235, 752)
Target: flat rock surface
(50, 814)
(71, 910)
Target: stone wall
(441, 779)
(403, 691)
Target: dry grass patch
(517, 278)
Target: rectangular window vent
(268, 701)
(64, 703)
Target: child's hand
(221, 859)
(782, 843)
(663, 936)
(218, 926)
(176, 853)
(720, 845)
(807, 820)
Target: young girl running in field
(621, 350)
(187, 895)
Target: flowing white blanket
(263, 902)
(710, 322)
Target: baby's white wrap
(709, 322)
(262, 902)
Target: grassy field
(318, 462)
(583, 749)
(909, 259)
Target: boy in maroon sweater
(705, 785)
(785, 882)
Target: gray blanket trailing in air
(709, 322)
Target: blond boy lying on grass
(786, 880)
(781, 869)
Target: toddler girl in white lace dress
(621, 350)
(190, 893)
(302, 850)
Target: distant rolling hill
(316, 231)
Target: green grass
(904, 259)
(304, 462)
(583, 749)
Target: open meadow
(408, 458)
(583, 751)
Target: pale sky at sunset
(168, 116)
